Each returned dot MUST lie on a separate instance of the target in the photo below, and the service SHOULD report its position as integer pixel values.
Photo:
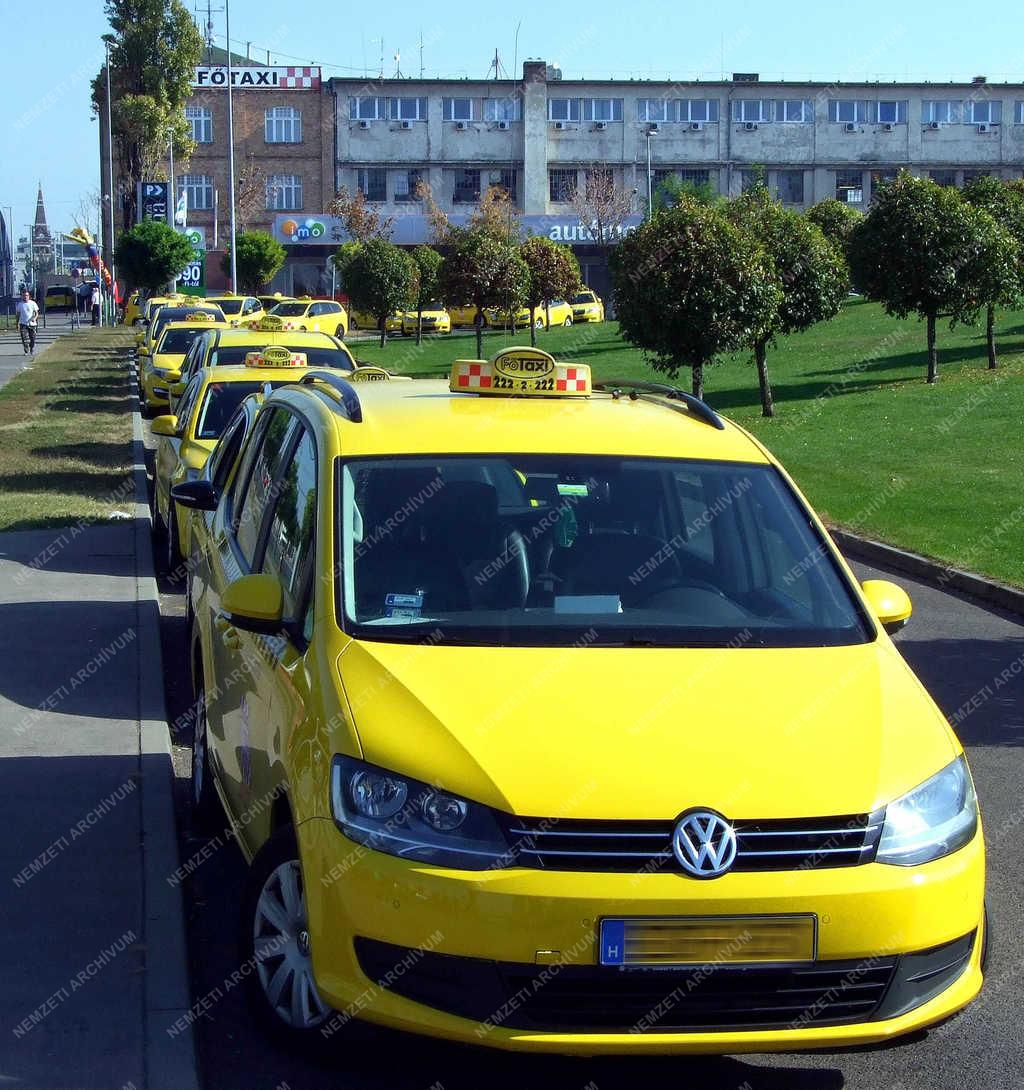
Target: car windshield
(562, 550)
(178, 340)
(290, 310)
(230, 306)
(585, 297)
(316, 356)
(219, 404)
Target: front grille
(592, 998)
(769, 845)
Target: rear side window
(226, 452)
(260, 488)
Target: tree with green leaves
(482, 269)
(380, 277)
(1004, 202)
(152, 253)
(922, 249)
(671, 190)
(554, 273)
(259, 257)
(689, 285)
(810, 271)
(428, 268)
(836, 220)
(154, 49)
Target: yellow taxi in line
(550, 718)
(176, 311)
(587, 306)
(359, 319)
(187, 438)
(163, 368)
(132, 309)
(149, 309)
(557, 312)
(239, 309)
(224, 347)
(268, 302)
(324, 315)
(435, 319)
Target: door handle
(230, 638)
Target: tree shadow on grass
(114, 406)
(99, 485)
(85, 386)
(97, 454)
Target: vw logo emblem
(704, 843)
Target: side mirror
(143, 350)
(200, 495)
(889, 602)
(254, 603)
(172, 376)
(177, 388)
(165, 425)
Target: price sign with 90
(192, 279)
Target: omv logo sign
(303, 230)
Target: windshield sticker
(572, 489)
(588, 603)
(403, 605)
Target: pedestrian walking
(95, 304)
(28, 320)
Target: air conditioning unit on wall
(364, 124)
(503, 125)
(888, 126)
(850, 126)
(461, 126)
(559, 125)
(984, 128)
(600, 126)
(696, 126)
(406, 124)
(750, 126)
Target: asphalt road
(957, 648)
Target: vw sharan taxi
(432, 319)
(587, 306)
(557, 312)
(550, 718)
(163, 368)
(325, 315)
(186, 439)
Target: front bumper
(586, 316)
(502, 930)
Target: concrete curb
(170, 1061)
(929, 571)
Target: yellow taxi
(360, 319)
(186, 438)
(557, 312)
(222, 347)
(239, 309)
(435, 319)
(324, 315)
(587, 306)
(133, 308)
(149, 309)
(550, 718)
(268, 302)
(463, 315)
(163, 368)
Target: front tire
(567, 322)
(275, 940)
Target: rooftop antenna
(496, 67)
(421, 53)
(380, 42)
(398, 65)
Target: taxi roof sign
(521, 371)
(201, 316)
(274, 355)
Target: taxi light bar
(520, 372)
(275, 356)
(201, 316)
(272, 323)
(369, 372)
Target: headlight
(407, 818)
(933, 820)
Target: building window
(467, 187)
(458, 109)
(406, 109)
(501, 109)
(751, 179)
(974, 175)
(984, 113)
(696, 176)
(563, 109)
(367, 109)
(602, 109)
(284, 193)
(660, 176)
(201, 120)
(598, 181)
(752, 109)
(795, 110)
(698, 109)
(789, 186)
(850, 111)
(1018, 113)
(943, 177)
(198, 191)
(561, 184)
(892, 113)
(406, 184)
(940, 111)
(880, 178)
(372, 182)
(850, 186)
(655, 109)
(283, 125)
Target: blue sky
(47, 132)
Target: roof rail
(345, 391)
(700, 409)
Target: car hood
(649, 732)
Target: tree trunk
(478, 321)
(990, 334)
(547, 315)
(698, 380)
(383, 332)
(419, 325)
(761, 355)
(533, 325)
(933, 354)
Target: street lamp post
(9, 271)
(231, 151)
(110, 197)
(650, 187)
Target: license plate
(700, 940)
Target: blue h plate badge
(613, 942)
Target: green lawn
(65, 434)
(936, 469)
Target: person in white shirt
(28, 317)
(96, 300)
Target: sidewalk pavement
(95, 963)
(12, 353)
